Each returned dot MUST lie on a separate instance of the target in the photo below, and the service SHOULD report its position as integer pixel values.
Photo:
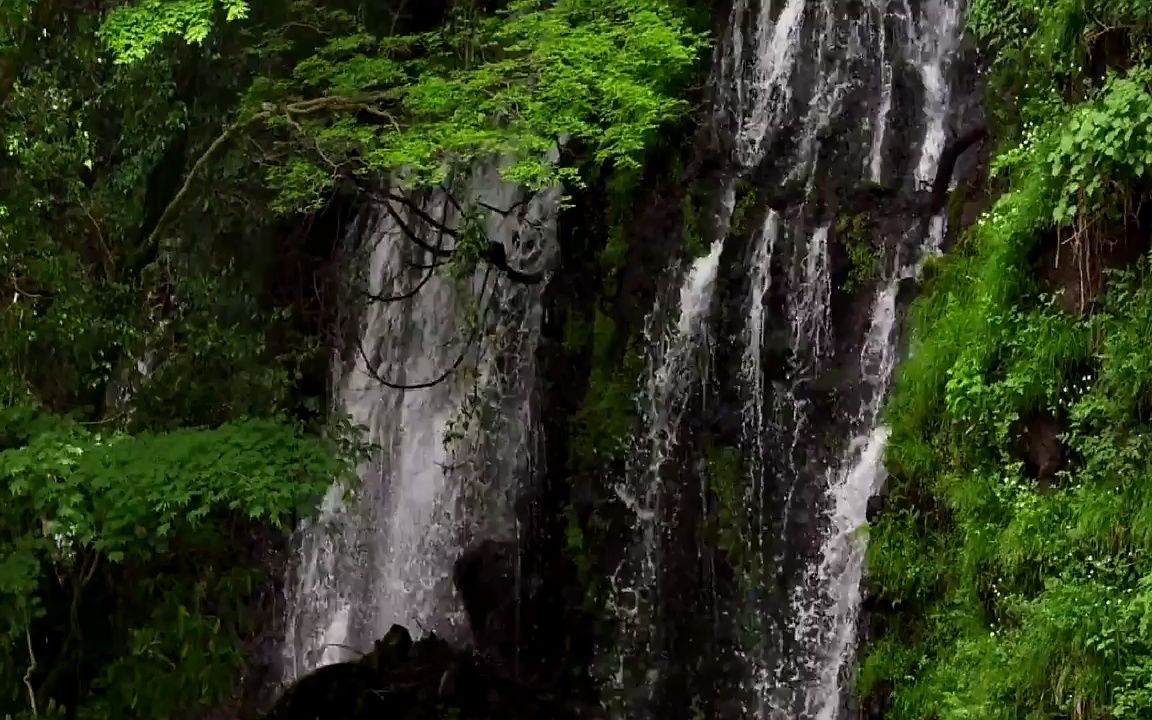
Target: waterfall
(810, 301)
(757, 348)
(824, 96)
(445, 459)
(671, 372)
(811, 668)
(842, 554)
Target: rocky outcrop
(423, 680)
(485, 575)
(426, 679)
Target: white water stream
(445, 458)
(923, 36)
(673, 369)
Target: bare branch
(334, 103)
(372, 297)
(28, 675)
(497, 257)
(451, 369)
(503, 213)
(452, 199)
(215, 147)
(417, 210)
(419, 286)
(413, 235)
(427, 266)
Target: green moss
(580, 550)
(957, 199)
(601, 430)
(725, 470)
(603, 338)
(744, 214)
(578, 333)
(615, 253)
(728, 522)
(694, 243)
(852, 230)
(603, 427)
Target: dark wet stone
(424, 680)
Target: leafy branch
(333, 104)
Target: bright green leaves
(1018, 368)
(352, 64)
(602, 67)
(123, 494)
(1032, 612)
(133, 31)
(1021, 447)
(1105, 146)
(513, 86)
(150, 532)
(1089, 154)
(602, 76)
(1047, 54)
(107, 114)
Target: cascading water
(445, 458)
(758, 349)
(671, 372)
(824, 97)
(839, 572)
(808, 677)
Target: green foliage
(163, 166)
(725, 473)
(852, 231)
(1104, 148)
(744, 214)
(694, 244)
(602, 428)
(599, 76)
(1012, 596)
(1047, 54)
(133, 31)
(580, 549)
(167, 515)
(622, 187)
(471, 248)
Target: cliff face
(714, 345)
(719, 328)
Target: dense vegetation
(1012, 566)
(172, 176)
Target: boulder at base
(423, 680)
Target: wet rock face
(522, 615)
(485, 577)
(427, 679)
